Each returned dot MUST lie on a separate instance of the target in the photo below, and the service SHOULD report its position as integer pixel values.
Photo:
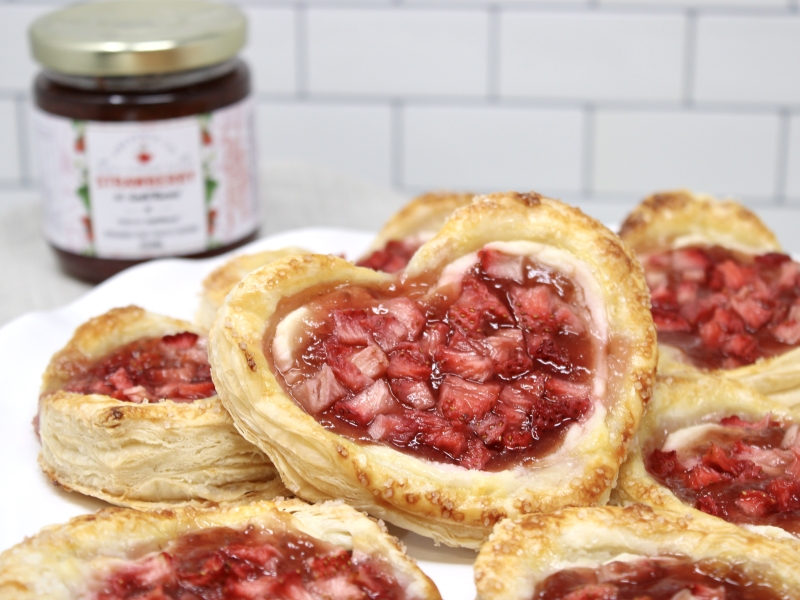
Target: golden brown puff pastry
(451, 504)
(523, 552)
(75, 559)
(685, 409)
(222, 279)
(147, 455)
(421, 218)
(680, 219)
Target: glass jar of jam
(144, 131)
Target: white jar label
(132, 190)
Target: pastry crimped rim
(149, 455)
(424, 215)
(677, 219)
(451, 504)
(680, 401)
(523, 552)
(221, 280)
(62, 560)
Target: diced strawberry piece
(772, 259)
(261, 555)
(707, 503)
(736, 421)
(755, 503)
(704, 592)
(702, 309)
(594, 591)
(506, 348)
(728, 321)
(409, 314)
(391, 258)
(374, 400)
(712, 335)
(477, 306)
(701, 477)
(120, 380)
(533, 307)
(551, 413)
(692, 263)
(447, 439)
(435, 335)
(515, 405)
(742, 346)
(558, 389)
(663, 297)
(393, 428)
(787, 333)
(371, 361)
(209, 571)
(189, 391)
(686, 292)
(476, 455)
(667, 321)
(416, 394)
(752, 312)
(545, 348)
(462, 400)
(735, 276)
(716, 457)
(181, 340)
(138, 394)
(319, 392)
(352, 326)
(786, 494)
(663, 464)
(408, 363)
(490, 428)
(497, 265)
(331, 565)
(788, 276)
(468, 365)
(388, 331)
(566, 318)
(349, 374)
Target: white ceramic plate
(28, 501)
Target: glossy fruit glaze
(663, 578)
(725, 309)
(485, 373)
(254, 564)
(174, 367)
(744, 473)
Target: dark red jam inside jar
(146, 151)
(663, 578)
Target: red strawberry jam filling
(150, 369)
(488, 368)
(739, 471)
(663, 578)
(725, 309)
(393, 257)
(251, 564)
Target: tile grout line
(398, 143)
(587, 157)
(301, 50)
(493, 58)
(782, 170)
(690, 52)
(22, 140)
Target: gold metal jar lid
(137, 37)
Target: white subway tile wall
(596, 101)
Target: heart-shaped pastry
(712, 444)
(128, 413)
(502, 372)
(726, 300)
(632, 552)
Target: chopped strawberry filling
(484, 374)
(391, 258)
(656, 578)
(748, 473)
(173, 367)
(250, 565)
(725, 309)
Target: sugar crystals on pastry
(503, 373)
(714, 445)
(129, 414)
(725, 298)
(282, 549)
(413, 225)
(635, 552)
